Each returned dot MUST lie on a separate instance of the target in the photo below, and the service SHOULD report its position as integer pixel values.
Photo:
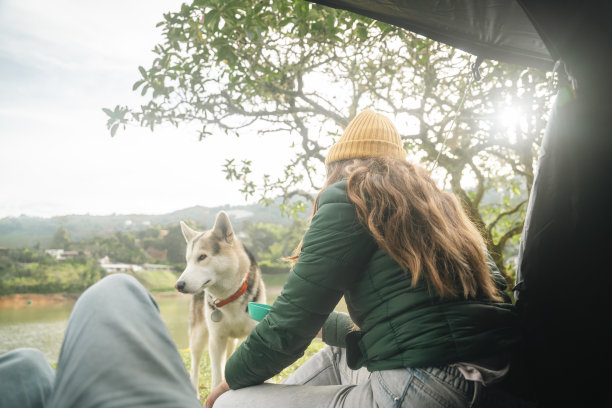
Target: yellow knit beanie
(369, 134)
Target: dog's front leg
(216, 347)
(198, 337)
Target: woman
(431, 326)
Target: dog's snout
(180, 285)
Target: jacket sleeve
(335, 250)
(336, 328)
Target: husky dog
(223, 277)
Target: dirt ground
(35, 300)
(19, 300)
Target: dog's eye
(201, 258)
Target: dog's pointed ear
(223, 228)
(188, 233)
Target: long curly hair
(422, 228)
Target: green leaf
(226, 54)
(137, 84)
(211, 19)
(330, 22)
(143, 72)
(361, 31)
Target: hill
(27, 231)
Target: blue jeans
(325, 380)
(116, 352)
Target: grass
(156, 281)
(204, 383)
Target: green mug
(258, 310)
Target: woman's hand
(216, 393)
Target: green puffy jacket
(399, 325)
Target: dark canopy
(493, 29)
(565, 273)
(525, 32)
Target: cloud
(60, 63)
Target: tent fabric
(580, 34)
(492, 29)
(564, 277)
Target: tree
(175, 243)
(61, 238)
(305, 71)
(270, 243)
(119, 247)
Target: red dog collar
(239, 292)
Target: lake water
(43, 327)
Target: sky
(61, 62)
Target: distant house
(110, 267)
(157, 267)
(58, 254)
(61, 254)
(70, 254)
(120, 267)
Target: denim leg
(421, 388)
(26, 379)
(298, 396)
(324, 380)
(118, 352)
(320, 369)
(327, 367)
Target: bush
(70, 276)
